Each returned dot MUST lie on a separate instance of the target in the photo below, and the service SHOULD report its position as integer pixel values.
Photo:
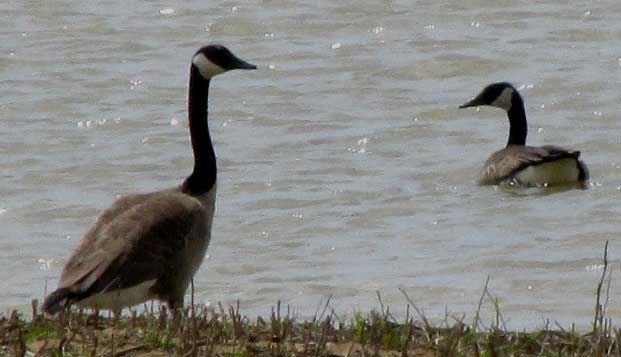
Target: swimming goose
(520, 164)
(148, 246)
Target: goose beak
(472, 103)
(238, 63)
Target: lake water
(345, 166)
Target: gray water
(345, 166)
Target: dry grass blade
(427, 326)
(477, 316)
(599, 311)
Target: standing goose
(148, 246)
(520, 164)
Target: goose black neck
(203, 177)
(518, 127)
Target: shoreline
(200, 330)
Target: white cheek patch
(504, 99)
(206, 68)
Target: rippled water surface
(345, 166)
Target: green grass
(158, 341)
(39, 331)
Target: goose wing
(140, 238)
(505, 163)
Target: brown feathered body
(146, 246)
(533, 166)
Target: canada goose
(148, 246)
(520, 164)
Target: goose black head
(500, 94)
(215, 59)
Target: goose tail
(57, 301)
